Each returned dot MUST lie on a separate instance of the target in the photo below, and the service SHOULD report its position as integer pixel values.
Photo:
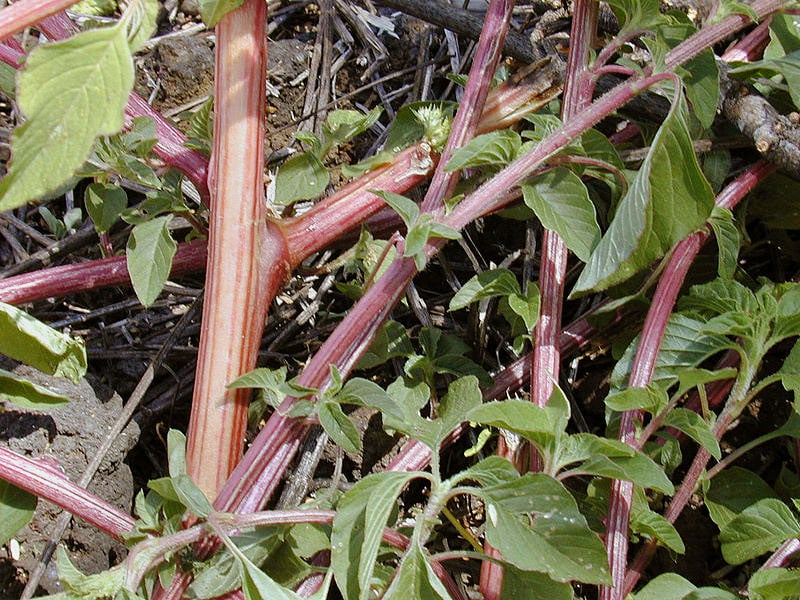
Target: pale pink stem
(247, 254)
(45, 478)
(25, 13)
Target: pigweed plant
(556, 512)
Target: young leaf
(728, 241)
(759, 528)
(419, 120)
(636, 15)
(139, 20)
(495, 149)
(693, 425)
(415, 578)
(684, 345)
(527, 307)
(271, 383)
(652, 399)
(561, 202)
(784, 36)
(16, 510)
(213, 10)
(149, 257)
(343, 125)
(302, 177)
(520, 416)
(407, 209)
(691, 377)
(652, 216)
(70, 92)
(30, 341)
(361, 516)
(647, 522)
(336, 424)
(615, 460)
(256, 584)
(535, 523)
(491, 471)
(26, 394)
(188, 493)
(104, 203)
(88, 587)
(700, 75)
(495, 282)
(392, 341)
(463, 395)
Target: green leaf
(491, 283)
(519, 416)
(70, 92)
(647, 522)
(535, 523)
(99, 586)
(361, 515)
(16, 510)
(774, 584)
(338, 426)
(733, 490)
(527, 306)
(530, 585)
(213, 10)
(691, 377)
(561, 202)
(222, 573)
(784, 35)
(652, 217)
(256, 584)
(302, 177)
(495, 149)
(391, 341)
(104, 203)
(26, 394)
(407, 127)
(787, 66)
(790, 371)
(667, 586)
(652, 399)
(149, 257)
(693, 425)
(271, 383)
(787, 322)
(636, 15)
(406, 208)
(343, 125)
(728, 241)
(684, 345)
(615, 460)
(700, 75)
(415, 578)
(722, 296)
(30, 341)
(491, 471)
(188, 493)
(139, 20)
(759, 528)
(463, 395)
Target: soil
(176, 75)
(70, 434)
